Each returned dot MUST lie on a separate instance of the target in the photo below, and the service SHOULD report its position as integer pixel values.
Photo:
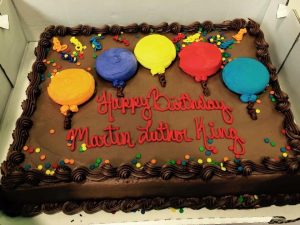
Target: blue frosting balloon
(247, 77)
(116, 65)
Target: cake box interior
(28, 18)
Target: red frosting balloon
(200, 60)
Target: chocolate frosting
(145, 204)
(13, 176)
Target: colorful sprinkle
(283, 149)
(187, 157)
(201, 149)
(172, 162)
(181, 210)
(225, 159)
(237, 161)
(51, 131)
(272, 92)
(47, 165)
(66, 161)
(223, 168)
(272, 143)
(288, 147)
(98, 160)
(133, 161)
(283, 131)
(37, 150)
(200, 161)
(257, 111)
(266, 140)
(78, 63)
(210, 141)
(25, 148)
(27, 167)
(92, 166)
(42, 157)
(61, 163)
(54, 165)
(241, 199)
(106, 161)
(207, 153)
(209, 160)
(258, 101)
(183, 162)
(284, 154)
(240, 168)
(48, 172)
(153, 161)
(40, 167)
(138, 165)
(138, 156)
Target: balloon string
(120, 93)
(251, 110)
(206, 91)
(162, 80)
(68, 120)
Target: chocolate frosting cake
(254, 178)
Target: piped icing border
(14, 177)
(146, 204)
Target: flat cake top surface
(93, 116)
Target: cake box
(30, 34)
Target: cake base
(146, 204)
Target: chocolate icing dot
(71, 207)
(39, 67)
(115, 29)
(60, 30)
(86, 30)
(175, 28)
(132, 28)
(124, 171)
(104, 29)
(16, 157)
(208, 26)
(51, 208)
(161, 28)
(79, 174)
(75, 30)
(237, 24)
(145, 28)
(253, 27)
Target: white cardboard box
(28, 19)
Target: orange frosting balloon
(71, 87)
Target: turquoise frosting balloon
(247, 77)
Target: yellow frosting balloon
(70, 88)
(155, 52)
